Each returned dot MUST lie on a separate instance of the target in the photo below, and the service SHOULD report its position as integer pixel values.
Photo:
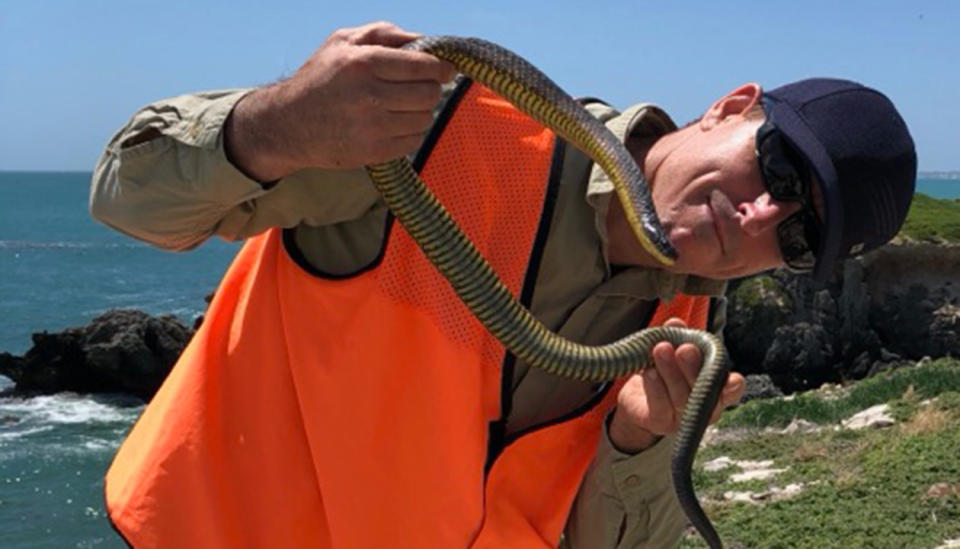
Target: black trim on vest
(419, 161)
(579, 411)
(712, 313)
(497, 440)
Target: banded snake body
(475, 282)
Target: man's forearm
(251, 143)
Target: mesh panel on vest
(489, 169)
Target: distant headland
(954, 175)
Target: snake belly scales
(475, 282)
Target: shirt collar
(643, 119)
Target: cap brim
(802, 138)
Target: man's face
(711, 198)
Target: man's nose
(765, 213)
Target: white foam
(100, 444)
(65, 408)
(63, 424)
(15, 434)
(74, 447)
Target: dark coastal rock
(757, 306)
(890, 308)
(893, 306)
(800, 357)
(124, 351)
(760, 386)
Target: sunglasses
(786, 177)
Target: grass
(762, 289)
(928, 381)
(895, 487)
(865, 488)
(932, 219)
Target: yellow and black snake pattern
(438, 235)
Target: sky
(72, 72)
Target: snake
(487, 297)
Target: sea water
(59, 268)
(939, 188)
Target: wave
(64, 424)
(55, 446)
(100, 444)
(67, 408)
(15, 434)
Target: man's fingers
(731, 394)
(675, 323)
(734, 389)
(395, 65)
(655, 391)
(380, 33)
(668, 368)
(688, 355)
(689, 360)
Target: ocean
(939, 188)
(59, 268)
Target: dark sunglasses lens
(798, 242)
(782, 169)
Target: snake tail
(702, 401)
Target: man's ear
(737, 102)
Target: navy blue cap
(859, 147)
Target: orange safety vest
(355, 412)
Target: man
(339, 395)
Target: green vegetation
(933, 219)
(896, 487)
(762, 289)
(927, 381)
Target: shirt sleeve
(164, 178)
(626, 501)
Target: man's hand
(651, 403)
(358, 100)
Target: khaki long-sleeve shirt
(164, 178)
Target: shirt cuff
(636, 479)
(204, 129)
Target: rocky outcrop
(760, 386)
(898, 303)
(889, 308)
(124, 351)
